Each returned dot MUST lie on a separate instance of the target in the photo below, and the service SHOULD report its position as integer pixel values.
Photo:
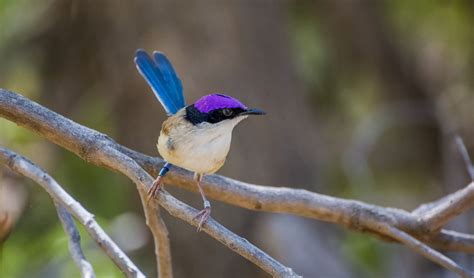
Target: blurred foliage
(345, 89)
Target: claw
(203, 215)
(153, 190)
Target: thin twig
(77, 255)
(441, 212)
(452, 240)
(465, 156)
(28, 169)
(160, 236)
(426, 251)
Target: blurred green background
(362, 99)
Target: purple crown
(217, 101)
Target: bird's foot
(203, 215)
(153, 190)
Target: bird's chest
(197, 150)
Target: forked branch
(28, 169)
(416, 229)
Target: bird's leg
(203, 215)
(153, 190)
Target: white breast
(202, 148)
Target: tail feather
(169, 75)
(162, 79)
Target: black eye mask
(218, 115)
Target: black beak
(253, 111)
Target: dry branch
(160, 237)
(304, 203)
(449, 207)
(465, 156)
(99, 149)
(26, 168)
(75, 249)
(425, 251)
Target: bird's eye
(227, 112)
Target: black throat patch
(195, 116)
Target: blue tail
(162, 78)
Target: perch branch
(313, 205)
(77, 255)
(133, 171)
(101, 150)
(26, 168)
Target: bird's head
(218, 109)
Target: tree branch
(465, 156)
(308, 204)
(437, 214)
(28, 169)
(99, 149)
(451, 240)
(133, 171)
(440, 213)
(74, 242)
(426, 251)
(160, 237)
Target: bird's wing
(162, 78)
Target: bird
(196, 137)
